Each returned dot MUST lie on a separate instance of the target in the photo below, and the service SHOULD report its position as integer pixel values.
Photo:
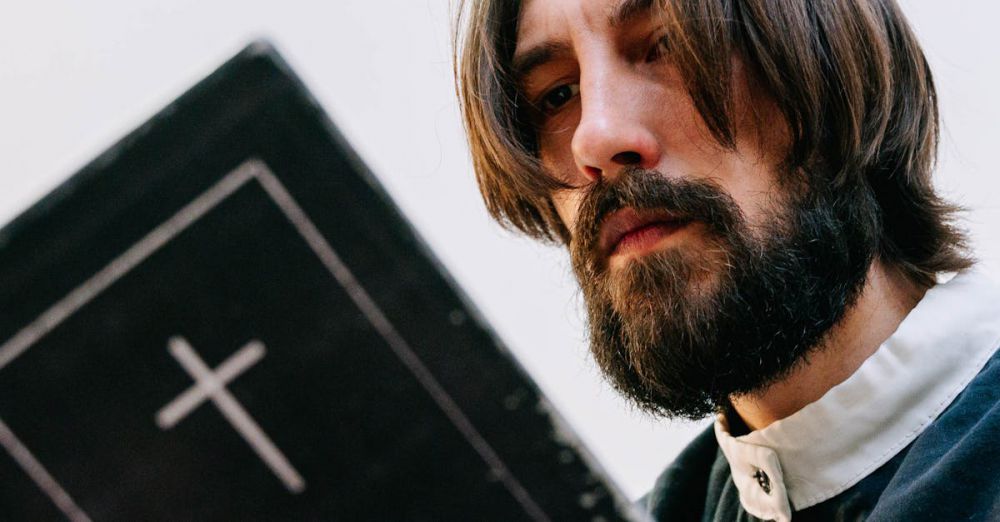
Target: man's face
(699, 263)
(609, 97)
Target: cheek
(556, 156)
(555, 149)
(567, 204)
(754, 187)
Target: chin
(691, 274)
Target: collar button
(763, 480)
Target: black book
(225, 317)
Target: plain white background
(77, 76)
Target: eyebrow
(622, 13)
(524, 63)
(627, 10)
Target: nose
(614, 130)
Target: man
(744, 187)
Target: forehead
(544, 20)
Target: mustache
(684, 198)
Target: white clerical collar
(858, 425)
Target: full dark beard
(681, 330)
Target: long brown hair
(848, 76)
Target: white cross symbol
(212, 385)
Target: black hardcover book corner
(224, 317)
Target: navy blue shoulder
(952, 470)
(681, 490)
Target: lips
(630, 228)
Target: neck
(885, 300)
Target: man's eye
(660, 48)
(559, 96)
